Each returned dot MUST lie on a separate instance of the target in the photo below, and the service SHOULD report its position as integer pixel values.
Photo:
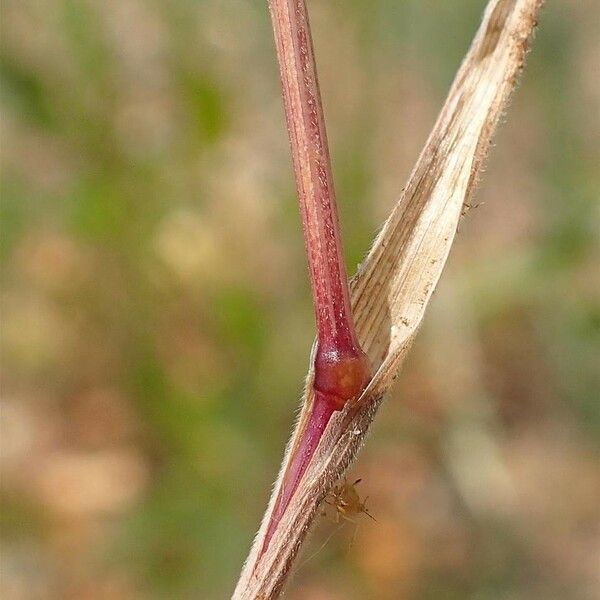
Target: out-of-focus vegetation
(157, 318)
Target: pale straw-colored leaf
(394, 284)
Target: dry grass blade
(394, 284)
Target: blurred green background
(157, 318)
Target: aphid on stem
(468, 207)
(347, 503)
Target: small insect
(347, 503)
(467, 207)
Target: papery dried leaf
(394, 284)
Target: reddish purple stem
(321, 413)
(341, 367)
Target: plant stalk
(396, 281)
(341, 367)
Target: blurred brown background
(157, 317)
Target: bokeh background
(157, 318)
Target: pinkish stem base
(319, 418)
